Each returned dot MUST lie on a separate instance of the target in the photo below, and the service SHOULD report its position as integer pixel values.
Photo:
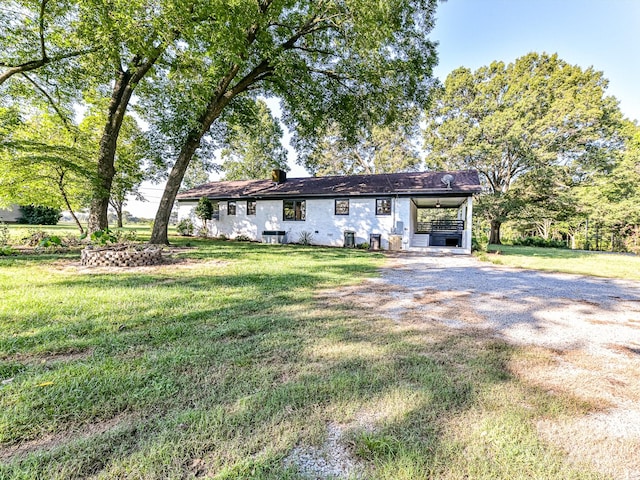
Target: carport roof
(464, 183)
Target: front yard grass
(223, 362)
(599, 264)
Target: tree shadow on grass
(229, 390)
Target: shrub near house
(39, 215)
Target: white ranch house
(416, 211)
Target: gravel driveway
(587, 329)
(589, 326)
(553, 310)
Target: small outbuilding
(416, 211)
(10, 214)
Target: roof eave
(278, 196)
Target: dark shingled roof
(465, 183)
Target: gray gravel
(525, 306)
(330, 461)
(566, 312)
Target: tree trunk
(119, 215)
(494, 236)
(159, 235)
(219, 100)
(63, 192)
(120, 96)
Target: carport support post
(468, 224)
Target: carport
(441, 223)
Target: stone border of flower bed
(120, 256)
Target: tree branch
(65, 120)
(34, 64)
(43, 51)
(314, 50)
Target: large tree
(508, 120)
(378, 149)
(132, 37)
(252, 147)
(347, 61)
(43, 161)
(109, 46)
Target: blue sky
(604, 34)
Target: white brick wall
(321, 221)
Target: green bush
(363, 246)
(39, 215)
(242, 238)
(102, 237)
(204, 210)
(538, 242)
(185, 227)
(305, 238)
(478, 245)
(50, 242)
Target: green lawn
(599, 264)
(20, 231)
(222, 363)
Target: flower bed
(121, 256)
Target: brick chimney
(278, 176)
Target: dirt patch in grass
(51, 441)
(607, 438)
(605, 383)
(333, 459)
(448, 307)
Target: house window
(383, 206)
(231, 207)
(216, 211)
(294, 210)
(342, 207)
(251, 207)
